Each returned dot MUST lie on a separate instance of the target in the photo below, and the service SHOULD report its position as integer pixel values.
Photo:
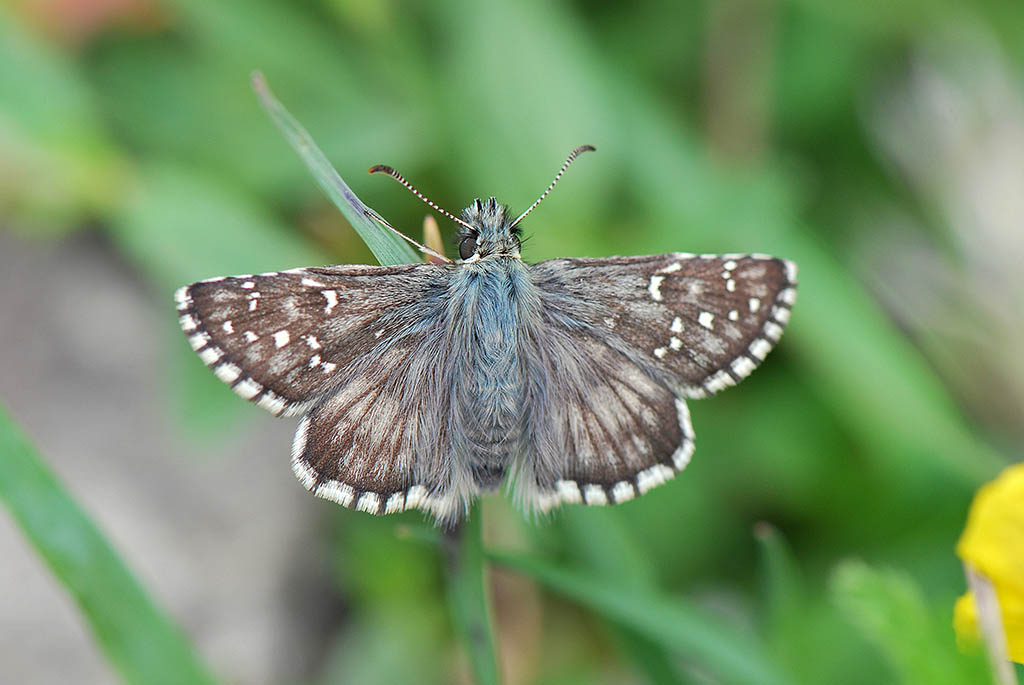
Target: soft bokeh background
(878, 144)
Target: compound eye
(467, 247)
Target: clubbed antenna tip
(568, 160)
(385, 169)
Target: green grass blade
(144, 645)
(467, 595)
(728, 653)
(599, 541)
(385, 245)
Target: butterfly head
(489, 232)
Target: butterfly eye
(467, 247)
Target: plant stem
(467, 595)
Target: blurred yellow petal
(993, 544)
(965, 622)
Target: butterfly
(422, 386)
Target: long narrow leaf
(385, 245)
(143, 644)
(731, 655)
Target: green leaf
(385, 245)
(783, 589)
(727, 652)
(142, 643)
(599, 541)
(889, 609)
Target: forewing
(282, 340)
(698, 322)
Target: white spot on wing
(772, 331)
(248, 388)
(228, 328)
(329, 367)
(395, 503)
(755, 304)
(569, 491)
(788, 296)
(314, 361)
(332, 300)
(271, 402)
(313, 343)
(623, 491)
(719, 381)
(675, 343)
(655, 287)
(759, 348)
(660, 352)
(790, 271)
(734, 315)
(730, 285)
(671, 268)
(281, 338)
(198, 340)
(706, 320)
(210, 355)
(336, 492)
(188, 323)
(299, 468)
(683, 413)
(729, 265)
(312, 283)
(782, 315)
(742, 366)
(250, 336)
(249, 285)
(227, 372)
(181, 297)
(369, 502)
(594, 495)
(677, 325)
(416, 497)
(653, 477)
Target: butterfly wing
(626, 338)
(353, 348)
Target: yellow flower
(993, 544)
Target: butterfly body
(424, 385)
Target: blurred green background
(880, 145)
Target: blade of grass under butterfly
(143, 644)
(385, 245)
(726, 652)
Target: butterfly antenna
(384, 169)
(422, 248)
(568, 160)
